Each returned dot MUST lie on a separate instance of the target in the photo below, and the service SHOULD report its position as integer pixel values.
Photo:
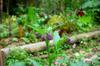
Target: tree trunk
(30, 2)
(1, 10)
(36, 3)
(2, 59)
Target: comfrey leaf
(35, 63)
(18, 64)
(56, 37)
(80, 63)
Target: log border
(42, 45)
(2, 59)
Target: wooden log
(1, 10)
(30, 47)
(42, 45)
(74, 38)
(2, 58)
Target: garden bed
(35, 47)
(49, 33)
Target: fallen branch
(42, 45)
(30, 47)
(74, 38)
(2, 58)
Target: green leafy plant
(61, 22)
(96, 15)
(57, 43)
(84, 23)
(19, 57)
(3, 31)
(95, 61)
(56, 49)
(15, 56)
(79, 63)
(91, 4)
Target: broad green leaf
(35, 63)
(19, 64)
(56, 37)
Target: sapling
(20, 27)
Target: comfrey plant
(56, 39)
